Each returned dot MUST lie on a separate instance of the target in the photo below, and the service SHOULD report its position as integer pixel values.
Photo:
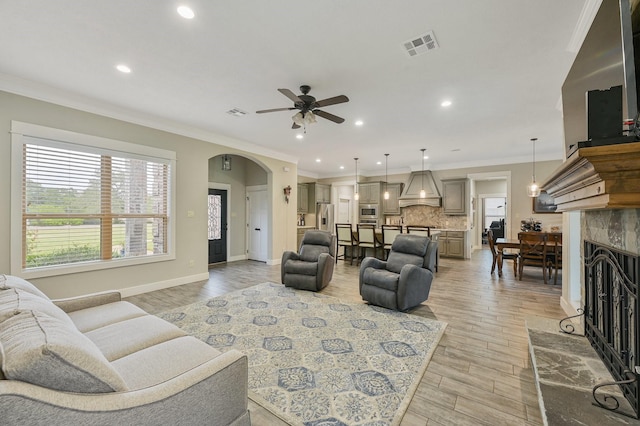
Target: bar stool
(347, 240)
(367, 239)
(389, 233)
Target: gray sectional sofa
(102, 361)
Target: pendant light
(533, 189)
(423, 193)
(356, 196)
(386, 176)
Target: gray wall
(192, 180)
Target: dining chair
(347, 240)
(554, 253)
(419, 230)
(367, 239)
(389, 233)
(505, 254)
(533, 252)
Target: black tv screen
(607, 58)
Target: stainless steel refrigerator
(324, 217)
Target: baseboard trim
(237, 258)
(274, 261)
(568, 307)
(159, 285)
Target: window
(94, 204)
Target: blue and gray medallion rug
(314, 359)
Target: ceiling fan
(308, 107)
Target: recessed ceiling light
(445, 103)
(379, 162)
(426, 157)
(318, 160)
(123, 68)
(341, 167)
(299, 136)
(186, 12)
(359, 123)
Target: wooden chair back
(367, 234)
(533, 251)
(389, 233)
(419, 230)
(344, 234)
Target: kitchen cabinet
(454, 200)
(301, 232)
(392, 205)
(322, 193)
(369, 192)
(451, 244)
(303, 198)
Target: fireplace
(612, 309)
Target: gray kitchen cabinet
(451, 244)
(369, 193)
(454, 200)
(303, 198)
(392, 205)
(323, 193)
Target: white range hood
(411, 193)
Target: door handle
(256, 229)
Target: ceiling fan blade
(289, 94)
(332, 101)
(295, 126)
(262, 111)
(328, 116)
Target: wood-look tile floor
(480, 373)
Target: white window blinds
(90, 204)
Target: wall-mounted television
(607, 58)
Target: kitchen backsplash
(429, 216)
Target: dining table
(508, 243)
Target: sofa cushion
(301, 267)
(163, 361)
(397, 260)
(311, 252)
(381, 278)
(99, 316)
(13, 301)
(45, 351)
(10, 281)
(126, 337)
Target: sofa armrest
(214, 392)
(89, 301)
(413, 286)
(286, 256)
(369, 262)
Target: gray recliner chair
(312, 268)
(404, 279)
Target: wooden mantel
(600, 177)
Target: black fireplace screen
(611, 303)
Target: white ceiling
(501, 63)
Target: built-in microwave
(369, 211)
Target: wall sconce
(226, 162)
(287, 193)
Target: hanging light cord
(386, 173)
(422, 175)
(356, 158)
(534, 157)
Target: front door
(217, 225)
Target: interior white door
(257, 226)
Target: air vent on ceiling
(237, 112)
(421, 44)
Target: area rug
(314, 359)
